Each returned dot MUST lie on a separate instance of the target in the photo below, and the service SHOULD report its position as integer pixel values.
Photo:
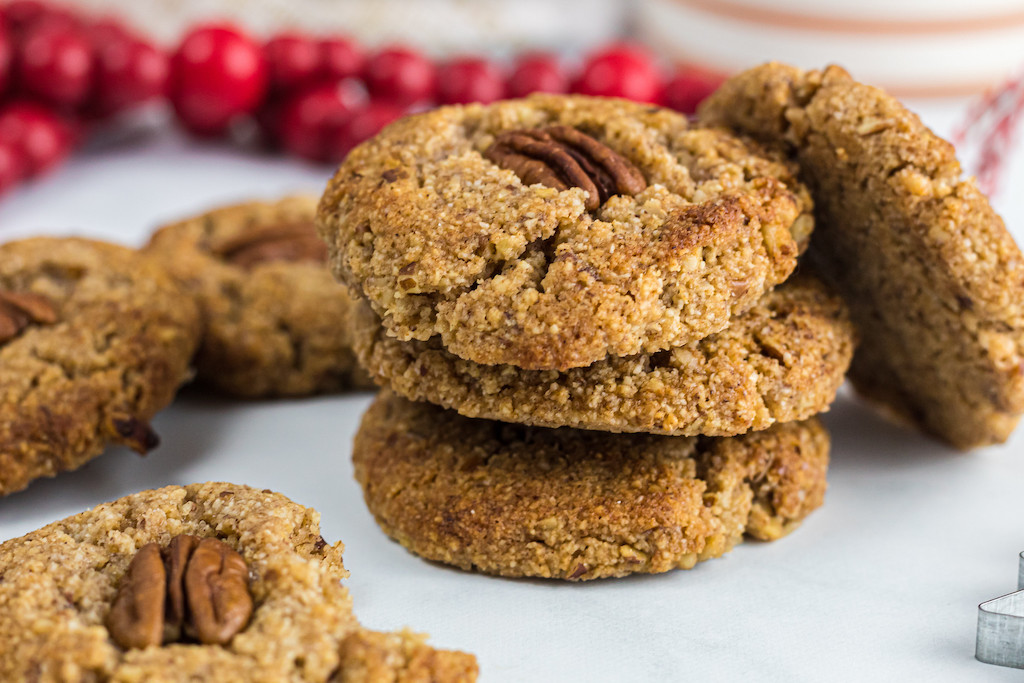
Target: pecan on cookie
(213, 582)
(276, 322)
(556, 231)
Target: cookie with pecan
(94, 340)
(934, 280)
(569, 504)
(212, 582)
(781, 360)
(556, 231)
(276, 322)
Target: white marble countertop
(882, 583)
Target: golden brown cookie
(471, 224)
(782, 360)
(570, 504)
(58, 586)
(934, 281)
(94, 340)
(276, 321)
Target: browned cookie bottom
(525, 501)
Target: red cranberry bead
(56, 63)
(128, 72)
(401, 76)
(537, 72)
(689, 88)
(340, 58)
(42, 138)
(6, 55)
(363, 125)
(24, 14)
(217, 74)
(106, 30)
(293, 61)
(620, 71)
(19, 14)
(469, 79)
(12, 166)
(310, 120)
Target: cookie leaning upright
(552, 232)
(213, 582)
(276, 322)
(934, 280)
(94, 340)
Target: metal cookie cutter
(1001, 627)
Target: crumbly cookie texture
(782, 360)
(569, 504)
(112, 351)
(444, 242)
(934, 280)
(276, 322)
(57, 585)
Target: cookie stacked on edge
(589, 304)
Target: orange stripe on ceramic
(772, 17)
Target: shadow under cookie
(782, 360)
(525, 501)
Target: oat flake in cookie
(569, 504)
(934, 281)
(213, 582)
(782, 360)
(553, 232)
(94, 340)
(276, 322)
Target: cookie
(94, 340)
(569, 504)
(782, 360)
(934, 281)
(472, 224)
(98, 596)
(276, 321)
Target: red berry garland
(315, 97)
(218, 74)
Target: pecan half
(136, 618)
(562, 157)
(175, 560)
(292, 242)
(19, 310)
(217, 586)
(194, 587)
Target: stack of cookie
(598, 362)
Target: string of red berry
(62, 73)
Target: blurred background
(313, 78)
(912, 47)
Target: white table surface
(882, 583)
